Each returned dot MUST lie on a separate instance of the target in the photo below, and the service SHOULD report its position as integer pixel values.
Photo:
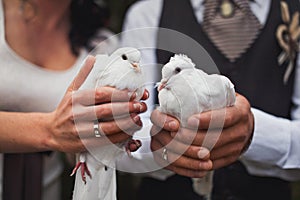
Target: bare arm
(70, 126)
(30, 132)
(21, 132)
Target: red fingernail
(147, 94)
(132, 95)
(136, 118)
(137, 106)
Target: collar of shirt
(260, 9)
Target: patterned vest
(256, 75)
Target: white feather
(116, 70)
(185, 90)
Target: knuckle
(102, 111)
(244, 132)
(192, 151)
(229, 117)
(190, 165)
(108, 128)
(69, 100)
(235, 148)
(73, 132)
(188, 173)
(200, 174)
(70, 117)
(205, 165)
(111, 127)
(246, 111)
(98, 94)
(101, 94)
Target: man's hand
(227, 133)
(183, 159)
(236, 133)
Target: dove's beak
(162, 85)
(136, 67)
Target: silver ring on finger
(164, 154)
(96, 129)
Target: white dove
(185, 90)
(121, 70)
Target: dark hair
(86, 18)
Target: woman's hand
(71, 125)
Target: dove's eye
(177, 70)
(124, 57)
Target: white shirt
(25, 87)
(275, 147)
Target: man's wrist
(249, 141)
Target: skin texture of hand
(236, 132)
(228, 135)
(71, 124)
(187, 160)
(69, 128)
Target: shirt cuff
(271, 140)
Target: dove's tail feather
(101, 187)
(229, 91)
(107, 183)
(203, 186)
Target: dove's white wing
(230, 91)
(221, 94)
(221, 91)
(113, 74)
(99, 66)
(193, 91)
(113, 71)
(90, 190)
(184, 95)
